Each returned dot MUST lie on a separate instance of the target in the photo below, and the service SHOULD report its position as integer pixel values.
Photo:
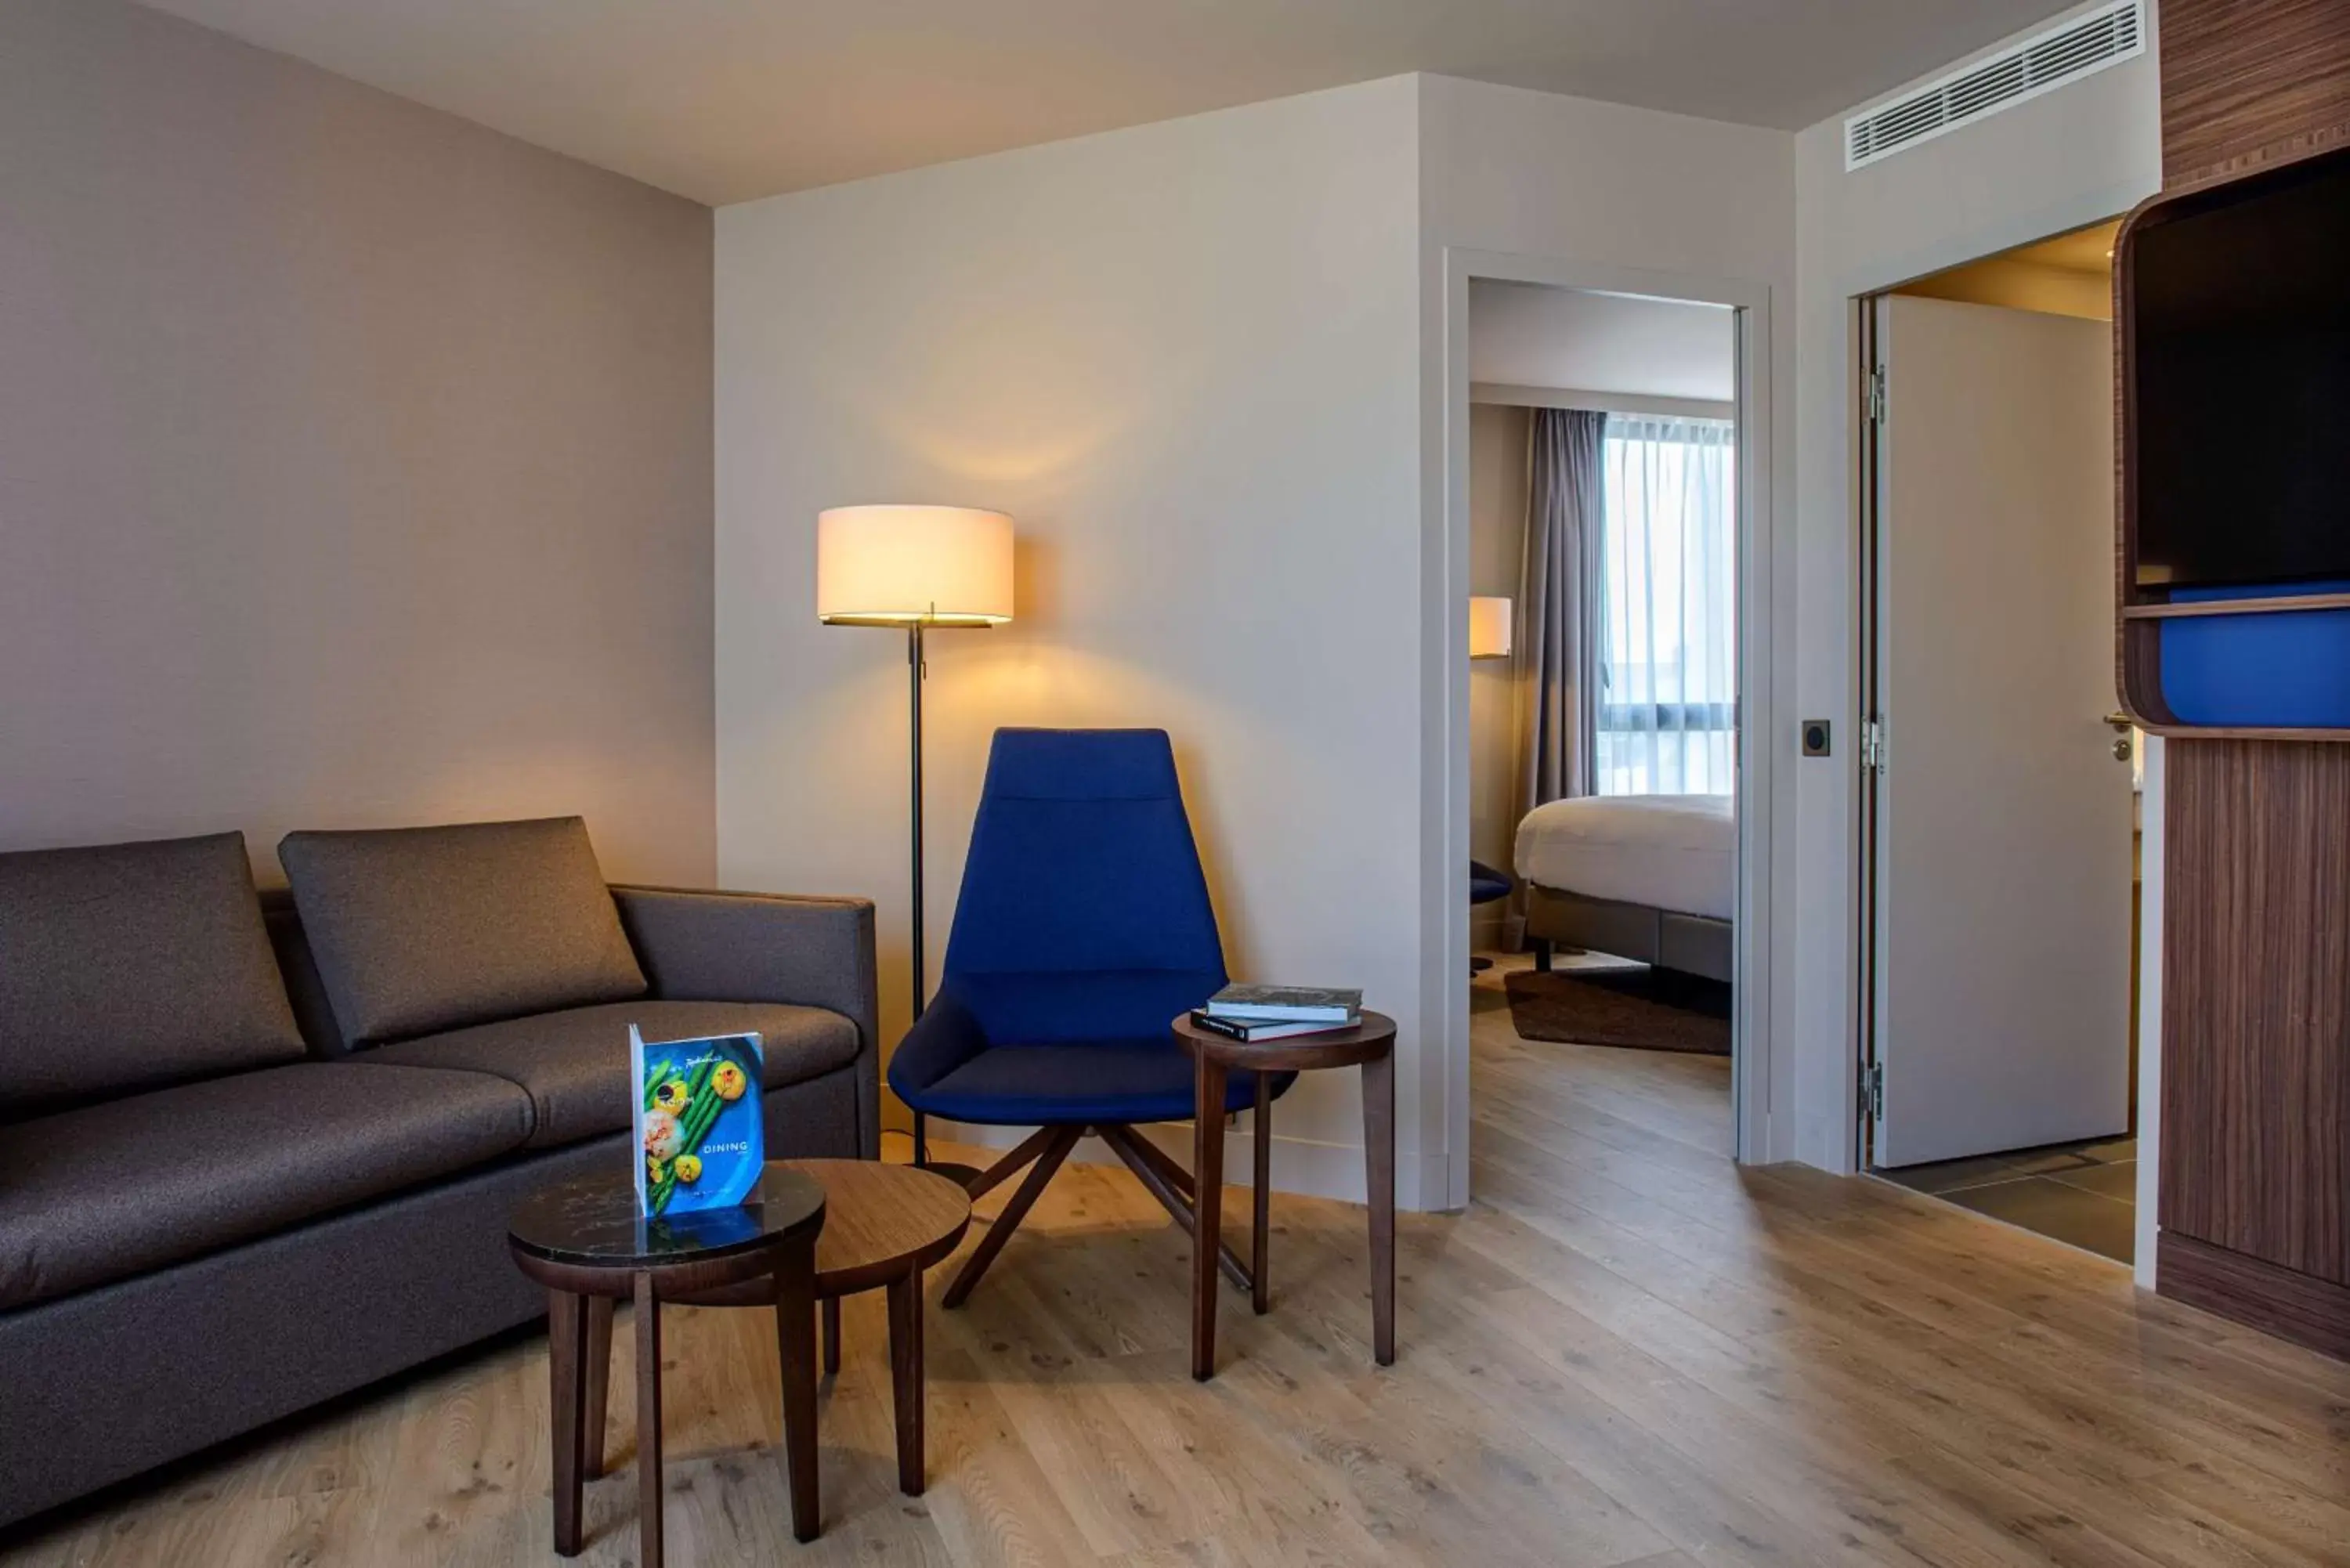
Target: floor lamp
(913, 568)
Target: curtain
(1668, 609)
(1558, 644)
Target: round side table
(886, 1225)
(1369, 1045)
(586, 1242)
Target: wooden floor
(1626, 1352)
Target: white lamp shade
(897, 565)
(1489, 628)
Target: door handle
(2121, 720)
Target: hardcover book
(1254, 1033)
(1285, 1003)
(700, 1139)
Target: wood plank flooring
(1627, 1352)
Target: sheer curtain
(1669, 608)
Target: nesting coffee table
(886, 1225)
(585, 1240)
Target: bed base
(1693, 944)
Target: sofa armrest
(703, 946)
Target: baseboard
(2264, 1295)
(1303, 1165)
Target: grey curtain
(1558, 648)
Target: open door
(2002, 811)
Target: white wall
(1595, 186)
(2084, 152)
(1185, 357)
(354, 461)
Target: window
(1669, 608)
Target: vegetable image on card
(701, 1142)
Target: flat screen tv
(2237, 323)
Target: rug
(1642, 1009)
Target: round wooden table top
(1368, 1041)
(881, 1220)
(882, 1224)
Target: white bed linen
(1671, 851)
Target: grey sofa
(257, 1153)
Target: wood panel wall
(2256, 1001)
(2255, 1179)
(2244, 81)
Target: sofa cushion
(126, 966)
(107, 1191)
(417, 929)
(574, 1065)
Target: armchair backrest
(1083, 914)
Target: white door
(2005, 818)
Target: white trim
(1303, 1165)
(1756, 1056)
(2149, 1010)
(1600, 402)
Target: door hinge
(1872, 746)
(1876, 395)
(1872, 1090)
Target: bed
(1648, 876)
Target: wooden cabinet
(2255, 1140)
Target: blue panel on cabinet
(2278, 669)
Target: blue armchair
(1083, 929)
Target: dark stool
(1485, 885)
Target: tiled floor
(2084, 1194)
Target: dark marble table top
(592, 1223)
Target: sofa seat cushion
(131, 966)
(110, 1190)
(419, 929)
(573, 1065)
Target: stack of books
(1256, 1013)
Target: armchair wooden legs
(1045, 1150)
(1172, 1186)
(1051, 1152)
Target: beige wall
(354, 459)
(1184, 356)
(1497, 536)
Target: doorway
(1605, 458)
(2000, 838)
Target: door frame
(1753, 1050)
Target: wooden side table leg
(906, 1380)
(599, 1378)
(831, 1335)
(648, 1424)
(1378, 1169)
(796, 1349)
(567, 1352)
(1208, 1205)
(1261, 1250)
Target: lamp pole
(914, 567)
(914, 673)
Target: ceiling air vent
(2063, 54)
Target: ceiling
(1527, 335)
(2087, 250)
(724, 101)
